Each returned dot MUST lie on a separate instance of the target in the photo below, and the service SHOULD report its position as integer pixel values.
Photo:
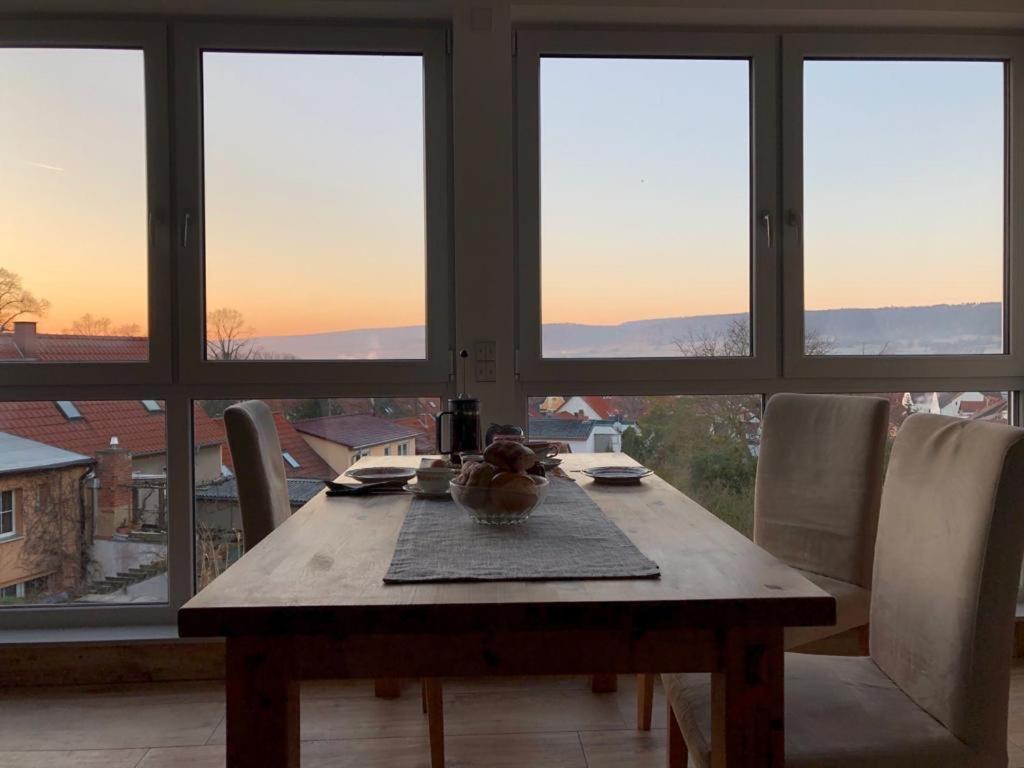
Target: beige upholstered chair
(934, 691)
(263, 497)
(819, 480)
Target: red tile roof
(311, 465)
(356, 431)
(136, 429)
(60, 347)
(426, 440)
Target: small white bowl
(434, 479)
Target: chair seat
(841, 712)
(853, 607)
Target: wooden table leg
(262, 705)
(435, 720)
(747, 712)
(644, 701)
(604, 683)
(387, 687)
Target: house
(43, 518)
(341, 440)
(582, 435)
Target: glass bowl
(499, 506)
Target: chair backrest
(950, 536)
(259, 469)
(819, 481)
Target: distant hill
(938, 329)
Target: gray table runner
(567, 537)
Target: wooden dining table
(309, 602)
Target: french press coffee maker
(463, 423)
(463, 427)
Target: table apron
(500, 653)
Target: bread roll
(512, 493)
(510, 456)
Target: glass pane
(83, 502)
(645, 207)
(314, 195)
(72, 197)
(704, 445)
(903, 207)
(320, 439)
(983, 406)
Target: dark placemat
(567, 537)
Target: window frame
(900, 46)
(151, 39)
(761, 49)
(349, 377)
(12, 511)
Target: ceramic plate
(617, 475)
(417, 491)
(550, 462)
(396, 475)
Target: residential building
(44, 526)
(342, 440)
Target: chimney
(114, 495)
(25, 338)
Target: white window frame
(797, 48)
(349, 377)
(12, 510)
(762, 51)
(150, 38)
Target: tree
(734, 341)
(87, 325)
(228, 337)
(16, 302)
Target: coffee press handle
(439, 421)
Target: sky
(315, 188)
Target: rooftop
(137, 429)
(357, 431)
(560, 429)
(300, 490)
(310, 464)
(18, 454)
(26, 344)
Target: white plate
(417, 491)
(618, 475)
(396, 475)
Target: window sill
(9, 537)
(133, 633)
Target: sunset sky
(314, 186)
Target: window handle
(186, 221)
(766, 219)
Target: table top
(321, 572)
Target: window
(704, 445)
(403, 449)
(8, 526)
(325, 184)
(152, 406)
(73, 193)
(320, 438)
(645, 192)
(904, 197)
(69, 409)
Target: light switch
(485, 360)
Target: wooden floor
(541, 723)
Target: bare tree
(16, 302)
(734, 341)
(87, 325)
(228, 337)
